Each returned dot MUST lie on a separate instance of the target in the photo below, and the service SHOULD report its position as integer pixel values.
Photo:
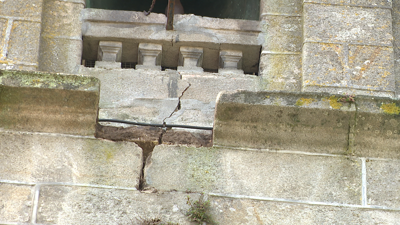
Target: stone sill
(211, 34)
(310, 122)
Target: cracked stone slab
(255, 173)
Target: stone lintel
(230, 61)
(190, 59)
(44, 102)
(149, 56)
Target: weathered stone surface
(290, 7)
(24, 42)
(205, 88)
(123, 88)
(142, 110)
(265, 174)
(367, 70)
(324, 23)
(282, 34)
(31, 9)
(61, 55)
(76, 205)
(244, 211)
(308, 122)
(280, 72)
(193, 112)
(3, 28)
(15, 203)
(383, 183)
(61, 36)
(49, 158)
(33, 101)
(370, 3)
(278, 120)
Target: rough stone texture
(24, 42)
(335, 55)
(61, 36)
(273, 120)
(383, 183)
(308, 122)
(377, 129)
(15, 203)
(335, 67)
(3, 28)
(206, 87)
(264, 174)
(142, 110)
(289, 7)
(31, 9)
(283, 34)
(76, 205)
(371, 3)
(281, 72)
(249, 212)
(324, 23)
(396, 43)
(48, 158)
(33, 101)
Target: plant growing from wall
(199, 211)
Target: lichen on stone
(390, 108)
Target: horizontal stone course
(79, 205)
(368, 3)
(28, 157)
(246, 211)
(29, 9)
(255, 173)
(290, 7)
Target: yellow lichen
(390, 108)
(305, 101)
(333, 102)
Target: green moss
(47, 80)
(390, 108)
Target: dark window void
(233, 9)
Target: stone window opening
(197, 43)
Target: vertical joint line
(364, 181)
(35, 204)
(7, 38)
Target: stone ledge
(310, 122)
(43, 102)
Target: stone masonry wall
(20, 25)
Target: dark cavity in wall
(232, 9)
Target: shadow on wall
(233, 9)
